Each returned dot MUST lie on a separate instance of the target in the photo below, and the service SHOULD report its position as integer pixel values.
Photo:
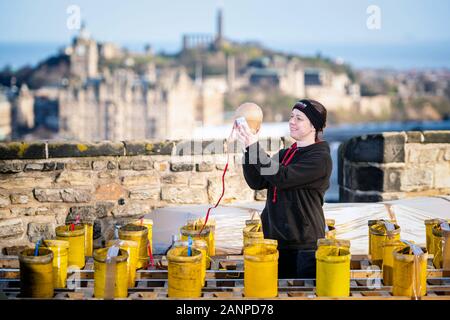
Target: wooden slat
(144, 295)
(75, 295)
(223, 295)
(300, 294)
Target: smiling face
(300, 127)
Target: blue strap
(36, 249)
(189, 246)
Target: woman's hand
(245, 135)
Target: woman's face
(300, 126)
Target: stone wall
(391, 166)
(45, 184)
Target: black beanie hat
(316, 118)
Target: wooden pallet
(225, 280)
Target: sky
(273, 21)
(281, 24)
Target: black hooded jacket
(296, 219)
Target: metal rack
(225, 280)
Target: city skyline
(411, 35)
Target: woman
(293, 214)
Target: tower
(219, 31)
(84, 56)
(24, 105)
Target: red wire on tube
(223, 186)
(221, 196)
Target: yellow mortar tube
(202, 246)
(378, 235)
(184, 273)
(60, 249)
(429, 223)
(36, 273)
(437, 246)
(410, 273)
(261, 269)
(212, 227)
(388, 260)
(76, 243)
(333, 271)
(149, 224)
(371, 223)
(119, 273)
(194, 232)
(139, 234)
(131, 247)
(252, 232)
(89, 239)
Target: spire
(219, 35)
(84, 33)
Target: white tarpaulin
(351, 220)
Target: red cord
(223, 186)
(77, 221)
(287, 158)
(221, 196)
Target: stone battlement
(45, 184)
(394, 165)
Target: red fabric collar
(287, 158)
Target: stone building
(122, 104)
(287, 76)
(175, 98)
(210, 106)
(335, 91)
(109, 50)
(84, 56)
(125, 106)
(23, 110)
(5, 117)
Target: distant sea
(397, 56)
(432, 55)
